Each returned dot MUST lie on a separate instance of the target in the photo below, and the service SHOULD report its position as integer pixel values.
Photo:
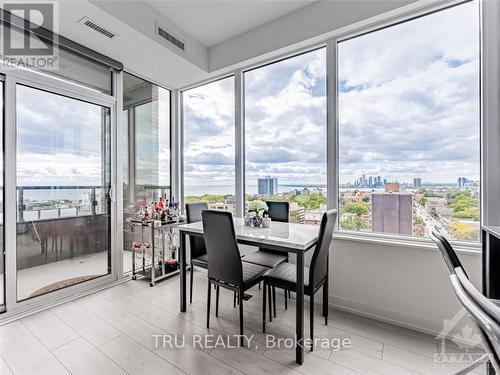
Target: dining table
(279, 236)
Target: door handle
(111, 193)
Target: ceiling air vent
(170, 38)
(100, 29)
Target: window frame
(328, 131)
(330, 41)
(375, 237)
(173, 176)
(182, 129)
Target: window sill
(414, 243)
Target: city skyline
(459, 181)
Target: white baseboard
(386, 315)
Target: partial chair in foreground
(225, 268)
(284, 276)
(485, 312)
(196, 244)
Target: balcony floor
(110, 332)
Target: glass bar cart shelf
(154, 250)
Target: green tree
(422, 201)
(311, 201)
(471, 213)
(464, 205)
(353, 223)
(358, 208)
(418, 220)
(209, 198)
(463, 231)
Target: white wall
(304, 26)
(408, 286)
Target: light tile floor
(112, 332)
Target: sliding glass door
(63, 181)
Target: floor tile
(94, 329)
(135, 359)
(82, 358)
(250, 362)
(12, 331)
(313, 364)
(28, 356)
(195, 362)
(49, 329)
(367, 364)
(126, 322)
(4, 369)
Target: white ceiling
(212, 22)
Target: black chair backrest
(278, 211)
(319, 262)
(449, 255)
(193, 215)
(480, 309)
(224, 260)
(486, 304)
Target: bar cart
(154, 250)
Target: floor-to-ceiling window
(409, 127)
(63, 178)
(285, 134)
(146, 145)
(209, 149)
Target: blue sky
(409, 104)
(408, 108)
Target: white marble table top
(289, 235)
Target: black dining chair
(485, 312)
(225, 268)
(284, 276)
(277, 211)
(196, 244)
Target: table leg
(299, 350)
(182, 263)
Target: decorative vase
(248, 220)
(257, 221)
(266, 222)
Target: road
(430, 222)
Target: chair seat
(263, 258)
(252, 274)
(285, 276)
(201, 261)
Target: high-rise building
(370, 181)
(417, 182)
(268, 186)
(461, 182)
(392, 213)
